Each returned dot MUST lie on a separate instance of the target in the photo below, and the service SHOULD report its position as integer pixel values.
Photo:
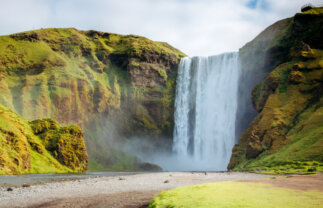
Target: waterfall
(205, 111)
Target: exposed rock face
(289, 101)
(113, 86)
(257, 59)
(24, 151)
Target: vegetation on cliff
(65, 143)
(40, 146)
(287, 134)
(113, 86)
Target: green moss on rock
(288, 128)
(296, 77)
(23, 150)
(87, 77)
(66, 144)
(42, 125)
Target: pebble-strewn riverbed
(19, 180)
(107, 186)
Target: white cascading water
(205, 111)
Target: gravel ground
(119, 191)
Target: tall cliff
(115, 87)
(285, 63)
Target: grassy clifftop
(113, 86)
(287, 134)
(40, 146)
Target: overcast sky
(197, 27)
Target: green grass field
(236, 194)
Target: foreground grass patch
(236, 194)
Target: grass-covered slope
(236, 194)
(40, 146)
(287, 134)
(113, 86)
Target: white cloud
(197, 27)
(16, 16)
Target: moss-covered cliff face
(111, 85)
(288, 129)
(65, 143)
(40, 146)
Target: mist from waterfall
(205, 112)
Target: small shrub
(311, 169)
